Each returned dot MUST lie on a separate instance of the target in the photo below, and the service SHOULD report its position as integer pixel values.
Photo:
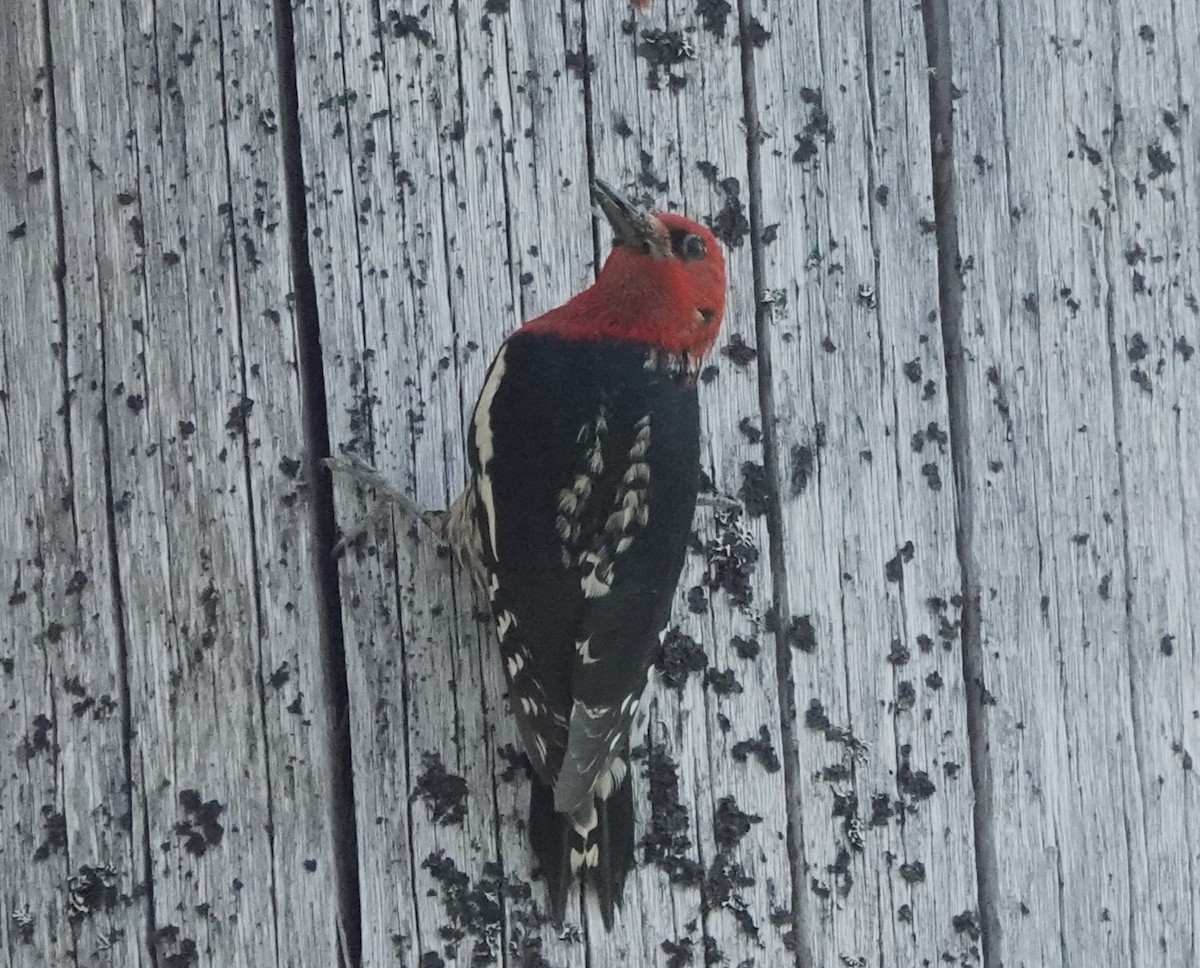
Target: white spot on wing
(585, 655)
(505, 621)
(596, 583)
(611, 778)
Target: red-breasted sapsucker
(584, 454)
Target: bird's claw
(386, 492)
(720, 502)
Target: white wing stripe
(484, 445)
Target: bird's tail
(595, 845)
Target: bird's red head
(663, 284)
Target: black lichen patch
(714, 14)
(761, 748)
(406, 25)
(580, 64)
(697, 601)
(913, 783)
(745, 648)
(731, 224)
(731, 557)
(38, 740)
(800, 634)
(54, 839)
(202, 827)
(913, 872)
(756, 34)
(1161, 162)
(894, 567)
(280, 676)
(816, 129)
(967, 923)
(679, 655)
(666, 844)
(679, 953)
(730, 824)
(517, 763)
(722, 683)
(750, 430)
(185, 953)
(804, 460)
(472, 909)
(1184, 348)
(815, 716)
(898, 653)
(755, 492)
(445, 794)
(664, 50)
(93, 889)
(739, 351)
(1086, 150)
(725, 876)
(932, 434)
(239, 415)
(1136, 348)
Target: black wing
(586, 458)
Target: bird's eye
(693, 247)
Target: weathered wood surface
(958, 396)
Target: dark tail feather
(551, 834)
(554, 839)
(614, 835)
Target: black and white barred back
(584, 459)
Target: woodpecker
(584, 455)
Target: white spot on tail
(586, 824)
(592, 712)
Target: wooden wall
(934, 698)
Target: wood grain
(195, 688)
(870, 603)
(936, 696)
(1071, 243)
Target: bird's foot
(385, 491)
(720, 502)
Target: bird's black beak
(633, 226)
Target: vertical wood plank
(416, 172)
(864, 477)
(1153, 280)
(179, 348)
(1079, 528)
(666, 103)
(69, 847)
